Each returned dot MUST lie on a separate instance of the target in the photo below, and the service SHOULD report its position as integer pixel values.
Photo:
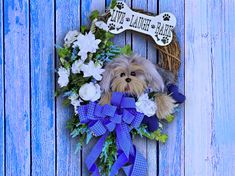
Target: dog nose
(128, 80)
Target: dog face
(132, 75)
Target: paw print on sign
(118, 28)
(111, 26)
(157, 37)
(166, 17)
(120, 5)
(165, 40)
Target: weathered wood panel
(87, 6)
(209, 85)
(17, 76)
(68, 163)
(223, 86)
(198, 79)
(152, 157)
(43, 85)
(171, 154)
(139, 47)
(2, 116)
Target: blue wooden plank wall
(33, 135)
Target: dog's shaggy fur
(133, 75)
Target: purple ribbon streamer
(119, 117)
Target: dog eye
(133, 74)
(122, 74)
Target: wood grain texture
(151, 147)
(171, 154)
(198, 72)
(139, 47)
(42, 85)
(68, 163)
(223, 86)
(87, 6)
(17, 76)
(198, 127)
(2, 116)
(210, 149)
(223, 133)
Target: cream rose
(90, 92)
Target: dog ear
(107, 78)
(153, 77)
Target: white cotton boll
(70, 37)
(90, 92)
(146, 106)
(63, 79)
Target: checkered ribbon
(119, 117)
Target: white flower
(146, 106)
(70, 37)
(86, 43)
(76, 67)
(91, 69)
(90, 92)
(102, 25)
(75, 101)
(63, 79)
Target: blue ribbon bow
(119, 117)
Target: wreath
(114, 116)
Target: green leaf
(126, 50)
(72, 123)
(162, 138)
(66, 102)
(94, 15)
(170, 118)
(113, 4)
(108, 36)
(63, 52)
(57, 93)
(76, 132)
(64, 62)
(77, 80)
(108, 155)
(157, 135)
(88, 136)
(83, 29)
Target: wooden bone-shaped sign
(123, 18)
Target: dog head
(131, 74)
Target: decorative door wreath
(117, 95)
